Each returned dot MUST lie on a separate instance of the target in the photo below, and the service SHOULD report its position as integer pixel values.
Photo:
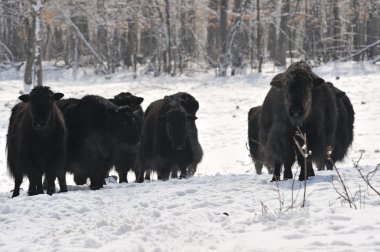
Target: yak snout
(179, 146)
(296, 113)
(39, 124)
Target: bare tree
(259, 36)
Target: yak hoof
(275, 178)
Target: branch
(366, 179)
(80, 34)
(8, 50)
(363, 50)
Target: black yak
(36, 141)
(298, 99)
(191, 105)
(169, 140)
(96, 127)
(124, 155)
(253, 139)
(345, 128)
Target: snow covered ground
(226, 206)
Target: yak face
(297, 84)
(127, 123)
(40, 104)
(176, 121)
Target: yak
(298, 100)
(36, 141)
(96, 127)
(253, 139)
(191, 105)
(124, 155)
(169, 140)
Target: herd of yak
(49, 136)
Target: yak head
(126, 123)
(40, 104)
(189, 103)
(176, 121)
(126, 98)
(297, 84)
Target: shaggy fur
(297, 99)
(167, 141)
(96, 127)
(36, 141)
(345, 128)
(191, 105)
(124, 155)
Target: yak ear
(192, 118)
(317, 81)
(277, 80)
(112, 111)
(24, 98)
(58, 96)
(139, 100)
(340, 94)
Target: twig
(305, 153)
(293, 183)
(281, 201)
(341, 181)
(367, 179)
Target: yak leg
(321, 164)
(50, 179)
(163, 168)
(40, 188)
(122, 176)
(62, 183)
(329, 164)
(192, 170)
(310, 170)
(277, 172)
(309, 167)
(183, 169)
(32, 185)
(270, 170)
(258, 167)
(18, 181)
(174, 172)
(288, 174)
(80, 180)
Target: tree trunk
(223, 62)
(30, 47)
(283, 34)
(337, 38)
(168, 53)
(355, 29)
(37, 6)
(373, 29)
(213, 42)
(258, 39)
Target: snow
(226, 206)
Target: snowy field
(226, 206)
